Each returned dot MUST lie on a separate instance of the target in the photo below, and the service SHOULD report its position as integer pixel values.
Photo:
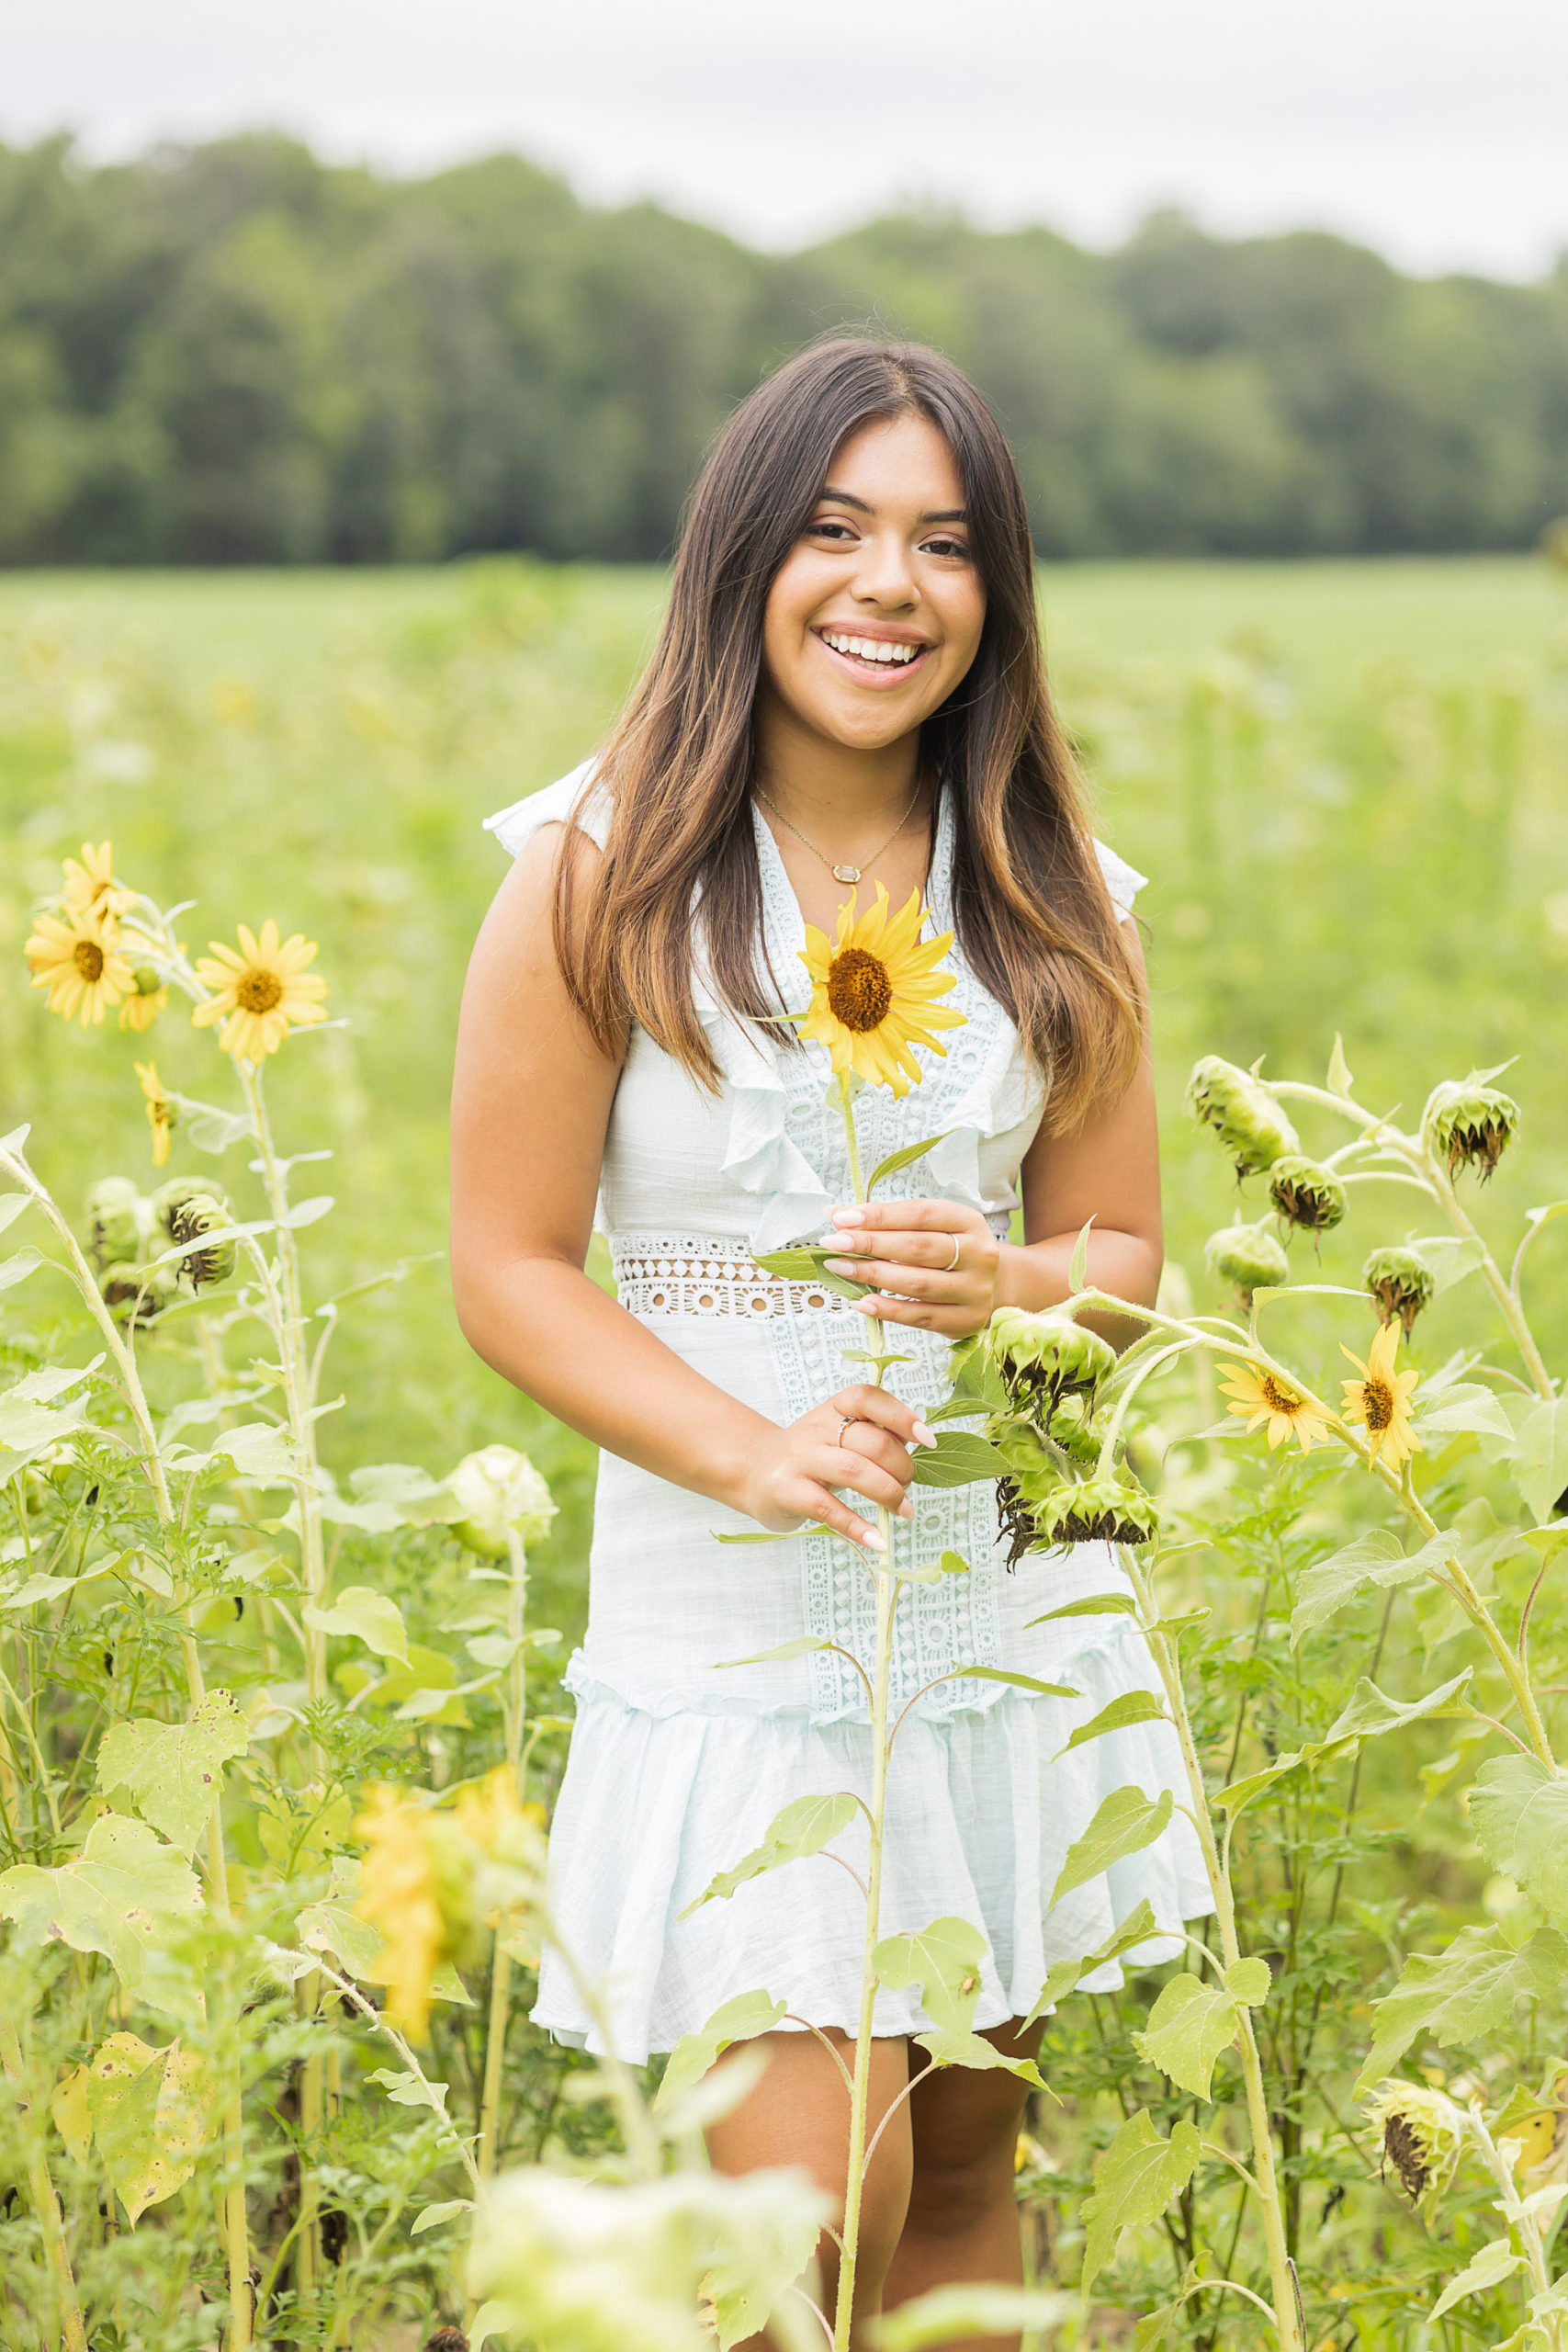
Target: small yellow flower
(1380, 1399)
(91, 889)
(1258, 1397)
(261, 992)
(872, 992)
(399, 1894)
(160, 1111)
(146, 1001)
(75, 962)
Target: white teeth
(871, 649)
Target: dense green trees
(238, 354)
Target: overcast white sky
(1435, 129)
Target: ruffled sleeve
(571, 800)
(1122, 881)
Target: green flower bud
(1401, 1281)
(1243, 1114)
(499, 1488)
(1251, 1256)
(1423, 2134)
(171, 1197)
(188, 1218)
(113, 1232)
(1077, 1429)
(1306, 1194)
(137, 1296)
(1046, 1352)
(1098, 1510)
(1471, 1127)
(147, 979)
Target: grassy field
(1349, 787)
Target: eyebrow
(848, 498)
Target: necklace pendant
(846, 873)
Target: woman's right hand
(859, 1438)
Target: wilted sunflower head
(1043, 1357)
(1402, 1282)
(112, 1207)
(192, 1215)
(1243, 1114)
(1250, 1256)
(874, 993)
(1470, 1125)
(1306, 1194)
(1423, 2134)
(1098, 1510)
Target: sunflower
(1258, 1397)
(91, 889)
(872, 992)
(73, 959)
(399, 1894)
(1380, 1399)
(260, 993)
(160, 1111)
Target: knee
(954, 2188)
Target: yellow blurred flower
(90, 887)
(74, 961)
(1258, 1397)
(873, 991)
(1380, 1399)
(397, 1881)
(160, 1111)
(261, 992)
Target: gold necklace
(840, 873)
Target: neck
(833, 786)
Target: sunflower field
(287, 1578)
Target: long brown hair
(1032, 911)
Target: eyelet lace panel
(687, 1274)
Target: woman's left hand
(941, 1261)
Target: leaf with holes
(174, 1771)
(944, 1961)
(1125, 1823)
(123, 1896)
(802, 1829)
(1134, 2180)
(740, 2019)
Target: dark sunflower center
(258, 991)
(1279, 1400)
(860, 993)
(1380, 1404)
(88, 958)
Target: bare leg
(799, 2114)
(963, 2218)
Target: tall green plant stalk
(514, 1708)
(45, 2200)
(887, 1610)
(236, 2228)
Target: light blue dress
(679, 1762)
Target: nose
(885, 575)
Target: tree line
(236, 353)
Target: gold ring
(957, 1246)
(847, 1423)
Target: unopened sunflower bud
(1077, 1429)
(1423, 2134)
(1098, 1510)
(137, 1293)
(169, 1198)
(499, 1488)
(1471, 1126)
(1251, 1256)
(1306, 1194)
(113, 1232)
(1401, 1281)
(196, 1215)
(1046, 1354)
(1243, 1114)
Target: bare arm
(530, 1105)
(1108, 1169)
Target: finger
(863, 1403)
(822, 1507)
(909, 1249)
(876, 1445)
(909, 1281)
(861, 1477)
(921, 1216)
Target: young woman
(847, 692)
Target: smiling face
(876, 613)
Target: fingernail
(905, 1508)
(873, 1539)
(839, 1266)
(864, 1307)
(924, 1436)
(848, 1217)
